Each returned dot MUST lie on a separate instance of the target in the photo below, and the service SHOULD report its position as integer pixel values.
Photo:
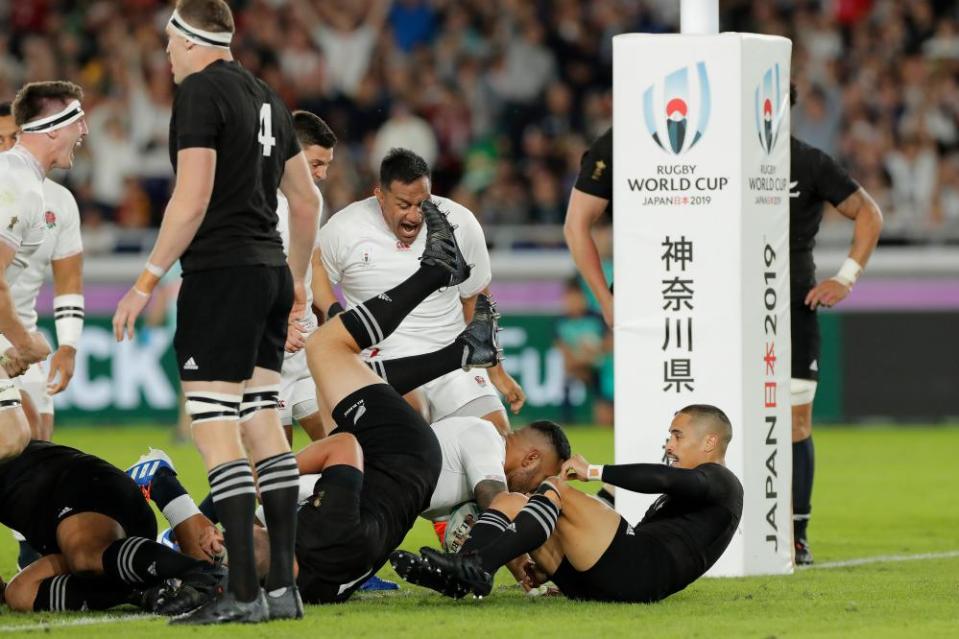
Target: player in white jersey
(52, 125)
(374, 244)
(297, 389)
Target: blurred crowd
(500, 96)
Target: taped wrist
(68, 317)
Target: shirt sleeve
(19, 208)
(328, 244)
(659, 478)
(198, 118)
(483, 452)
(832, 182)
(596, 168)
(69, 242)
(473, 244)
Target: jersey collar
(31, 159)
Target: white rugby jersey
(473, 451)
(283, 226)
(362, 254)
(21, 206)
(62, 239)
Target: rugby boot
(146, 468)
(803, 553)
(418, 572)
(462, 570)
(441, 247)
(480, 336)
(375, 584)
(285, 603)
(226, 609)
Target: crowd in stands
(500, 96)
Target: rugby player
(233, 145)
(374, 243)
(816, 179)
(94, 530)
(52, 125)
(587, 549)
(61, 250)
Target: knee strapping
(205, 406)
(259, 398)
(9, 395)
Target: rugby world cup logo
(771, 105)
(677, 109)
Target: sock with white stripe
(406, 373)
(804, 467)
(279, 478)
(529, 530)
(80, 592)
(486, 529)
(235, 498)
(373, 320)
(138, 561)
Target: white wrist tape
(68, 317)
(594, 472)
(180, 509)
(153, 269)
(849, 272)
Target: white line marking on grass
(83, 621)
(884, 559)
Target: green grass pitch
(879, 492)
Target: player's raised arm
(305, 203)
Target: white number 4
(266, 130)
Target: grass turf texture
(872, 498)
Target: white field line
(83, 621)
(881, 559)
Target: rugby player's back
(225, 108)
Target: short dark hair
(209, 15)
(311, 129)
(5, 110)
(402, 165)
(33, 98)
(715, 415)
(553, 432)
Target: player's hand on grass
(129, 308)
(827, 293)
(533, 577)
(519, 568)
(509, 387)
(576, 467)
(61, 369)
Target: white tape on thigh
(9, 395)
(212, 407)
(803, 391)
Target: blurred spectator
(583, 339)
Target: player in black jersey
(816, 179)
(93, 529)
(588, 201)
(232, 144)
(589, 550)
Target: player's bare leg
(318, 425)
(277, 479)
(802, 481)
(14, 429)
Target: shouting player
(52, 125)
(586, 548)
(232, 145)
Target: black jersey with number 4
(596, 170)
(815, 179)
(694, 519)
(225, 108)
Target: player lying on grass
(380, 466)
(95, 532)
(586, 548)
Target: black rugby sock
(406, 373)
(279, 479)
(235, 498)
(139, 561)
(486, 529)
(80, 592)
(530, 530)
(372, 321)
(165, 487)
(804, 463)
(208, 508)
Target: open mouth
(409, 229)
(671, 460)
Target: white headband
(66, 117)
(199, 36)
